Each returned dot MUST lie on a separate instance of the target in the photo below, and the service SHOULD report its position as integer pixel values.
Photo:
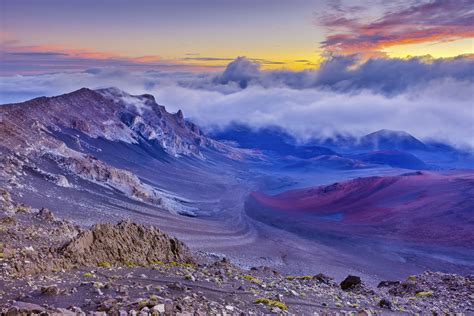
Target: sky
(314, 67)
(204, 35)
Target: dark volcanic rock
(126, 243)
(323, 278)
(385, 303)
(349, 282)
(50, 290)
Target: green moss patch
(252, 279)
(105, 264)
(274, 303)
(428, 293)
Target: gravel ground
(38, 277)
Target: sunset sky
(313, 67)
(57, 35)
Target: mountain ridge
(114, 115)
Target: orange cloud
(34, 59)
(78, 53)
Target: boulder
(323, 278)
(385, 303)
(349, 282)
(125, 243)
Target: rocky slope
(52, 267)
(52, 138)
(38, 242)
(107, 113)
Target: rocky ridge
(126, 243)
(107, 113)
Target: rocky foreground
(50, 266)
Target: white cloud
(443, 110)
(432, 99)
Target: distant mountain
(397, 149)
(272, 138)
(393, 158)
(391, 140)
(337, 142)
(329, 162)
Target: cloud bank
(430, 98)
(443, 110)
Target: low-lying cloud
(430, 98)
(443, 110)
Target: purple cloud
(438, 20)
